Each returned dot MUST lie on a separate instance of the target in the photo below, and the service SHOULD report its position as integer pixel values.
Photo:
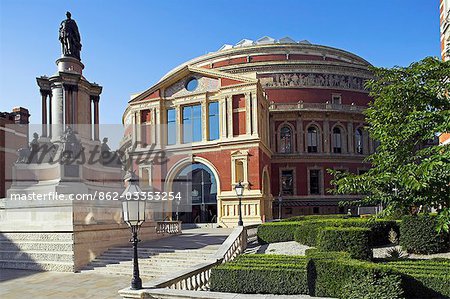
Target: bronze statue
(70, 37)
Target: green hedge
(333, 274)
(316, 217)
(354, 240)
(267, 274)
(273, 232)
(418, 235)
(424, 278)
(308, 231)
(344, 278)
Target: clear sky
(129, 45)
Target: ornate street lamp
(280, 202)
(133, 208)
(239, 188)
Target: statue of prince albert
(70, 37)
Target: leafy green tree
(411, 105)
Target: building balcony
(301, 106)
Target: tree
(410, 107)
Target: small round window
(191, 84)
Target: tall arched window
(358, 141)
(286, 140)
(337, 140)
(312, 139)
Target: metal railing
(168, 227)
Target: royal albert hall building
(272, 114)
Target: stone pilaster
(300, 145)
(255, 113)
(326, 136)
(350, 138)
(248, 114)
(230, 116)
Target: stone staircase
(37, 251)
(153, 262)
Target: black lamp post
(239, 188)
(280, 202)
(133, 208)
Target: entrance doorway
(198, 183)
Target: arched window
(286, 140)
(337, 140)
(312, 138)
(358, 141)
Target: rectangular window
(336, 99)
(314, 181)
(192, 123)
(316, 210)
(287, 182)
(171, 126)
(213, 120)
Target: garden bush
(315, 217)
(354, 240)
(345, 278)
(424, 278)
(308, 230)
(267, 274)
(418, 235)
(333, 274)
(273, 232)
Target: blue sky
(129, 45)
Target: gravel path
(382, 252)
(288, 248)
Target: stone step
(161, 250)
(144, 275)
(36, 246)
(43, 237)
(143, 263)
(156, 256)
(37, 266)
(37, 256)
(167, 261)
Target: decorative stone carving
(204, 84)
(313, 80)
(37, 152)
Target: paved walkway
(31, 284)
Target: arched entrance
(198, 183)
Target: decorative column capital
(45, 92)
(95, 99)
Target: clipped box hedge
(352, 279)
(418, 235)
(354, 240)
(317, 217)
(424, 278)
(259, 273)
(333, 274)
(308, 231)
(273, 232)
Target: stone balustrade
(197, 277)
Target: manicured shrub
(267, 274)
(316, 253)
(273, 232)
(345, 278)
(354, 240)
(316, 217)
(308, 230)
(418, 235)
(424, 278)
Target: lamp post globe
(239, 188)
(133, 209)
